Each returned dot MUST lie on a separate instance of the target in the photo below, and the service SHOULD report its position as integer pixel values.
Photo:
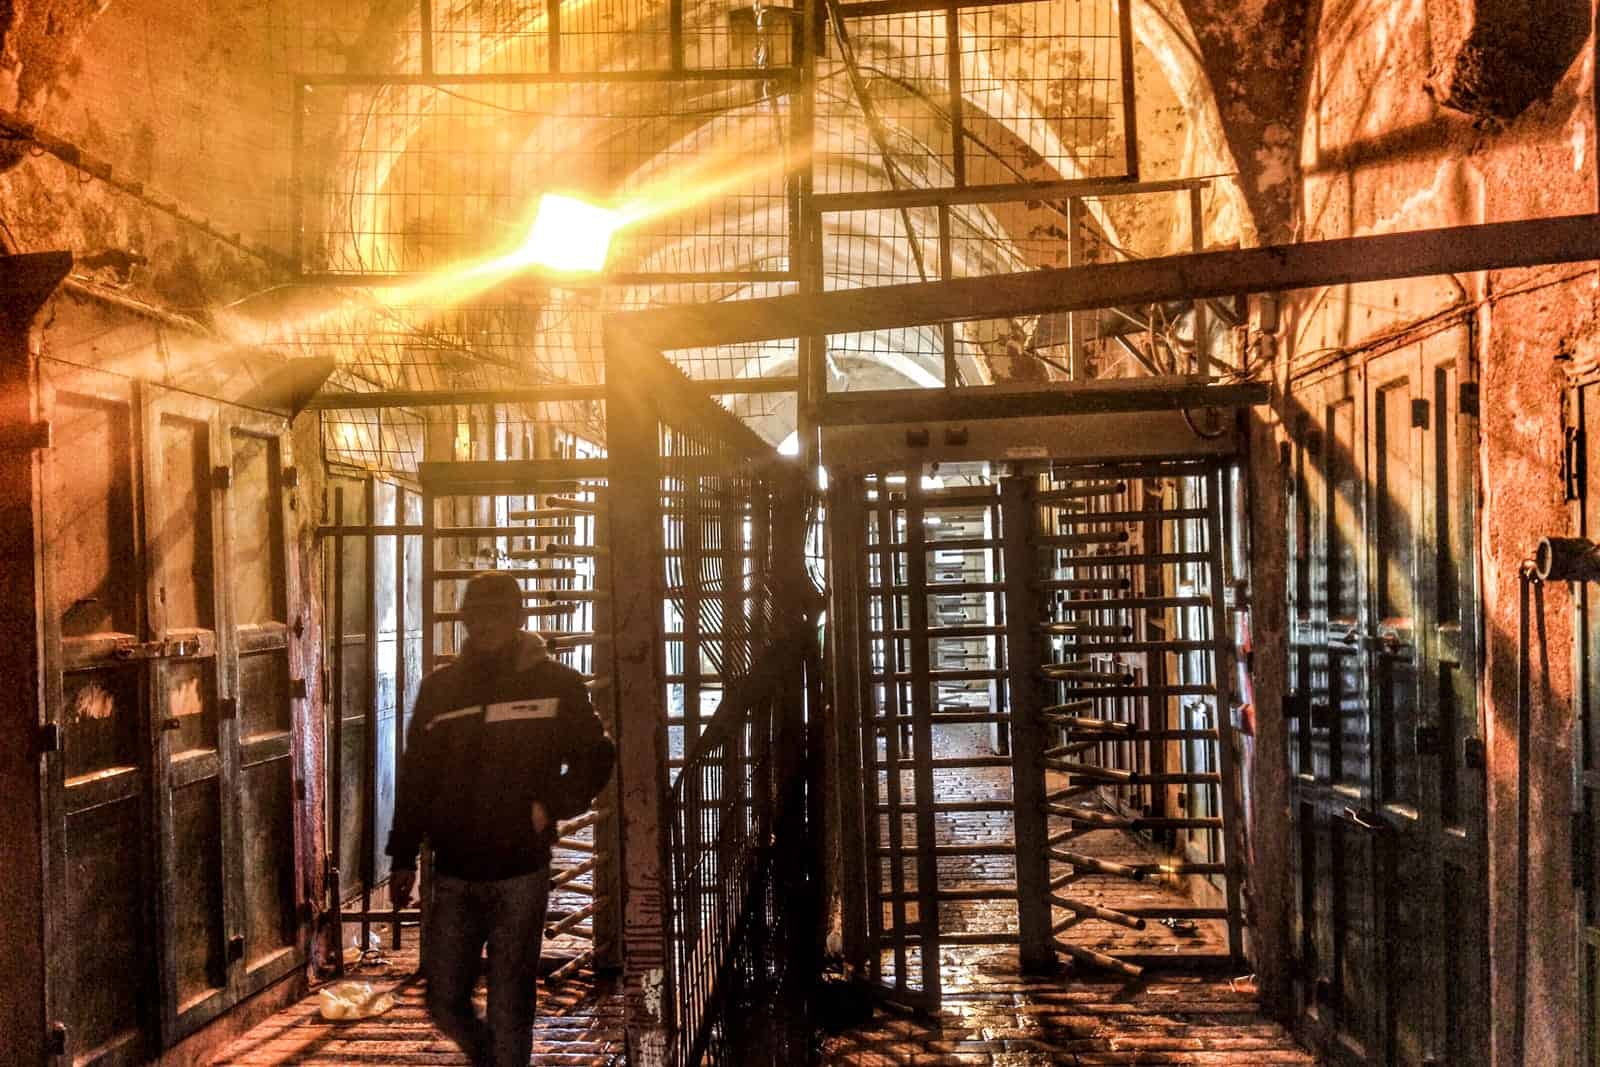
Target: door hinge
(1572, 463)
(221, 476)
(291, 477)
(228, 707)
(297, 688)
(48, 740)
(1473, 754)
(55, 1039)
(1427, 740)
(1419, 414)
(1468, 399)
(235, 947)
(300, 789)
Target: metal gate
(540, 520)
(1040, 654)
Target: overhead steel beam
(537, 394)
(1091, 397)
(1457, 249)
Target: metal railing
(737, 820)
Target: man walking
(502, 743)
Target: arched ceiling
(608, 139)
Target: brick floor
(580, 1025)
(991, 1016)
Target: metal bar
(779, 76)
(554, 393)
(1232, 814)
(1095, 911)
(879, 406)
(637, 579)
(958, 130)
(1130, 109)
(895, 712)
(1023, 652)
(1099, 959)
(1273, 268)
(336, 756)
(874, 8)
(552, 22)
(1131, 516)
(1099, 866)
(1135, 603)
(538, 277)
(922, 730)
(846, 554)
(1077, 361)
(1086, 188)
(1197, 243)
(486, 476)
(425, 21)
(1121, 560)
(369, 765)
(401, 496)
(947, 330)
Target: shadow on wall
(1515, 55)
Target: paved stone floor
(990, 1015)
(580, 1025)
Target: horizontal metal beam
(1113, 396)
(1203, 275)
(1015, 192)
(540, 276)
(564, 77)
(555, 393)
(488, 477)
(425, 398)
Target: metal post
(1232, 813)
(369, 715)
(637, 584)
(1023, 656)
(335, 756)
(847, 555)
(401, 577)
(1197, 243)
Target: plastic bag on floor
(352, 1000)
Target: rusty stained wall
(179, 99)
(1377, 154)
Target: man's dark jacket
(490, 735)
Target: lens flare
(569, 235)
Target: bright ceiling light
(570, 235)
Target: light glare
(570, 235)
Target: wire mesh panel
(875, 240)
(975, 95)
(405, 178)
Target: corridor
(991, 1015)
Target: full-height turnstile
(1034, 678)
(542, 521)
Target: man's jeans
(508, 916)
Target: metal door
(1331, 763)
(172, 848)
(1386, 747)
(260, 638)
(99, 941)
(196, 743)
